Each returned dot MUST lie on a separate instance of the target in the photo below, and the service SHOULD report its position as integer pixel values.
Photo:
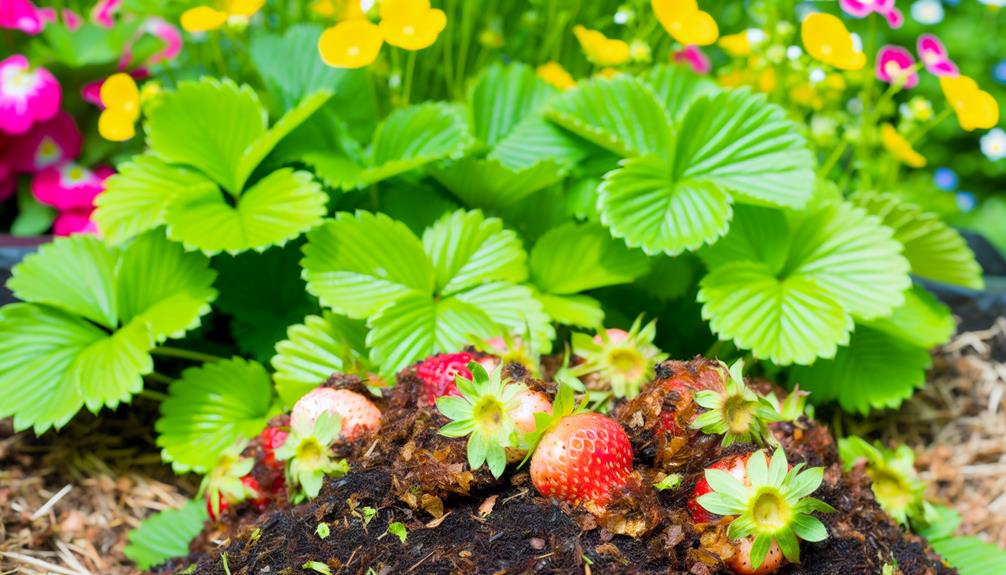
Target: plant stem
(937, 119)
(166, 351)
(833, 158)
(410, 69)
(160, 377)
(152, 395)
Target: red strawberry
(584, 458)
(531, 402)
(359, 415)
(687, 380)
(260, 500)
(437, 373)
(740, 561)
(272, 438)
(735, 465)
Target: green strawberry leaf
(641, 204)
(621, 114)
(416, 205)
(577, 257)
(875, 370)
(264, 294)
(935, 250)
(578, 310)
(515, 308)
(787, 320)
(535, 140)
(756, 234)
(136, 199)
(741, 143)
(467, 249)
(677, 87)
(481, 183)
(210, 409)
(416, 326)
(165, 535)
(971, 556)
(357, 264)
(207, 125)
(502, 96)
(278, 208)
(922, 320)
(314, 350)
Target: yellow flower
(350, 44)
(600, 49)
(325, 8)
(899, 147)
(685, 22)
(204, 18)
(607, 73)
(121, 99)
(639, 51)
(766, 80)
(411, 24)
(736, 45)
(735, 78)
(827, 40)
(975, 108)
(555, 74)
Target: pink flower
(71, 19)
(168, 34)
(26, 95)
(103, 11)
(48, 144)
(8, 185)
(934, 56)
(863, 8)
(21, 15)
(694, 58)
(896, 64)
(71, 189)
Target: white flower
(994, 144)
(927, 12)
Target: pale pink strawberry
(531, 402)
(359, 415)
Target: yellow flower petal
(350, 44)
(119, 93)
(827, 40)
(556, 75)
(404, 9)
(202, 19)
(975, 108)
(246, 8)
(900, 148)
(600, 49)
(413, 31)
(116, 125)
(736, 45)
(683, 20)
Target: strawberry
(615, 336)
(734, 465)
(251, 486)
(359, 415)
(531, 402)
(271, 438)
(582, 459)
(740, 562)
(437, 374)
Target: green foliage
(91, 317)
(207, 138)
(971, 556)
(422, 296)
(165, 535)
(210, 409)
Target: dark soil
(464, 522)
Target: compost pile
(460, 521)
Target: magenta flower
(896, 64)
(71, 189)
(168, 34)
(26, 95)
(695, 58)
(71, 19)
(8, 185)
(934, 56)
(7, 181)
(21, 15)
(48, 144)
(863, 8)
(103, 12)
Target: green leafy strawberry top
(737, 413)
(482, 413)
(625, 359)
(896, 484)
(309, 457)
(224, 481)
(773, 506)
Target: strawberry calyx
(773, 505)
(308, 455)
(483, 412)
(623, 359)
(737, 412)
(229, 482)
(896, 484)
(563, 406)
